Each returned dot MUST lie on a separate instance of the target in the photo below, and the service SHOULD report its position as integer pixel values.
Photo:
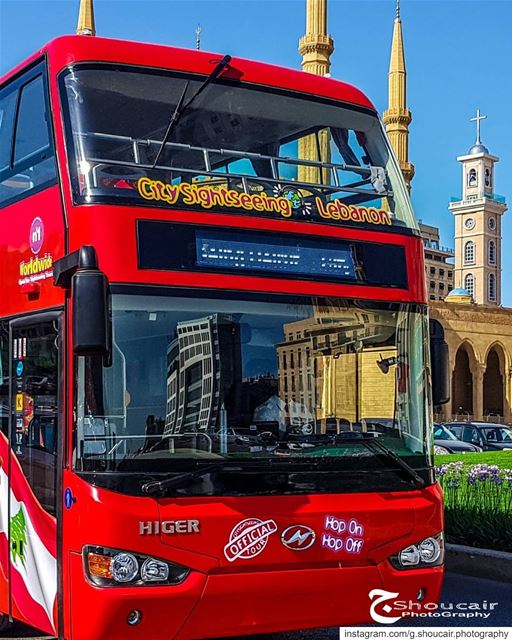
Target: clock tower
(478, 225)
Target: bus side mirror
(92, 327)
(439, 364)
(90, 313)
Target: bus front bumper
(235, 604)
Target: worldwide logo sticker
(40, 265)
(36, 237)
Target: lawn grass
(502, 459)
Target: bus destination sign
(203, 248)
(218, 250)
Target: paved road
(456, 589)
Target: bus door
(35, 362)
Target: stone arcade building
(480, 348)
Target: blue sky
(459, 55)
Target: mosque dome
(462, 296)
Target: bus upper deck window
(241, 138)
(7, 113)
(26, 157)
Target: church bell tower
(478, 225)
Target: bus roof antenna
(86, 26)
(198, 37)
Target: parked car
(488, 435)
(447, 442)
(384, 426)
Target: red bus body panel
(16, 255)
(276, 590)
(99, 225)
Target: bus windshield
(216, 378)
(237, 149)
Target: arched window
(472, 178)
(491, 288)
(469, 284)
(491, 252)
(469, 252)
(487, 177)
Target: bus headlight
(426, 553)
(154, 570)
(107, 567)
(124, 567)
(430, 550)
(409, 557)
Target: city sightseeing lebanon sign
(287, 202)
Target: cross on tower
(477, 119)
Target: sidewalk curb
(479, 563)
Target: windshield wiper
(179, 479)
(182, 106)
(373, 444)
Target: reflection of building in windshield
(338, 365)
(204, 374)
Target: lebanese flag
(33, 560)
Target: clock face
(469, 223)
(491, 224)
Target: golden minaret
(86, 26)
(315, 47)
(398, 117)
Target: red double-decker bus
(214, 374)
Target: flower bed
(478, 504)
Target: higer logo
(298, 537)
(378, 596)
(168, 527)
